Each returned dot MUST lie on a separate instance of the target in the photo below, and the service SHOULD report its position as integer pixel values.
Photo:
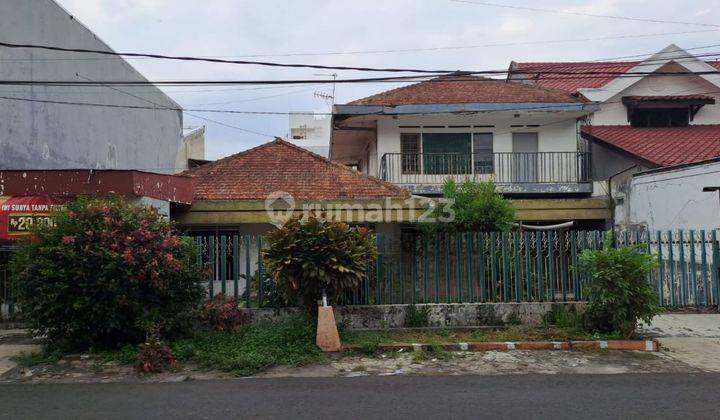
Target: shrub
(618, 291)
(308, 257)
(221, 313)
(477, 206)
(154, 356)
(104, 273)
(416, 317)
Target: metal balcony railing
(502, 168)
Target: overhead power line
(623, 57)
(393, 51)
(570, 12)
(219, 60)
(158, 107)
(458, 77)
(162, 107)
(264, 63)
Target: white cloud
(596, 7)
(516, 25)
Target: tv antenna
(322, 95)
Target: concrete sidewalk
(690, 338)
(685, 325)
(14, 343)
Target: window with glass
(447, 153)
(410, 153)
(483, 159)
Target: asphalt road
(515, 396)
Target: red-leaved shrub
(221, 313)
(154, 356)
(105, 271)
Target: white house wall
(555, 133)
(613, 112)
(671, 200)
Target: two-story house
(523, 137)
(655, 113)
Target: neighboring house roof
(280, 166)
(459, 89)
(658, 145)
(573, 82)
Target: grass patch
(371, 340)
(253, 348)
(435, 352)
(45, 357)
(127, 355)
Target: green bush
(617, 288)
(104, 274)
(477, 206)
(308, 257)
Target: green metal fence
(479, 267)
(688, 265)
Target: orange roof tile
(542, 73)
(659, 145)
(458, 89)
(281, 166)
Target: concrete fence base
(439, 315)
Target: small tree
(308, 257)
(618, 291)
(106, 274)
(477, 206)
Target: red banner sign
(19, 214)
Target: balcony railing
(502, 168)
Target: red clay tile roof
(572, 82)
(661, 146)
(281, 166)
(466, 89)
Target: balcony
(514, 173)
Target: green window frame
(447, 153)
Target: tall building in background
(37, 134)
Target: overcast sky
(277, 27)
